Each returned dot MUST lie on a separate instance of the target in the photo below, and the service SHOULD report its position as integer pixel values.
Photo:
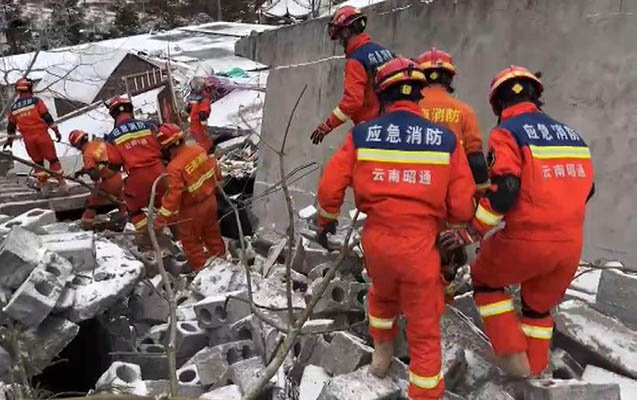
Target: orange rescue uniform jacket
(30, 115)
(408, 174)
(555, 170)
(191, 179)
(199, 109)
(101, 156)
(135, 143)
(359, 102)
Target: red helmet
(119, 104)
(509, 73)
(77, 138)
(398, 70)
(436, 59)
(24, 85)
(345, 17)
(168, 135)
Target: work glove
(8, 144)
(324, 229)
(320, 132)
(455, 238)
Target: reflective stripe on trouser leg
(539, 332)
(425, 383)
(383, 312)
(501, 322)
(140, 221)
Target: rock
(564, 366)
(147, 303)
(122, 377)
(627, 386)
(20, 253)
(48, 340)
(114, 278)
(219, 310)
(157, 388)
(33, 218)
(77, 247)
(312, 382)
(592, 337)
(358, 385)
(491, 391)
(230, 392)
(244, 373)
(37, 296)
(345, 354)
(554, 389)
(616, 296)
(190, 339)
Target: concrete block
(147, 303)
(66, 300)
(231, 352)
(275, 254)
(151, 359)
(491, 391)
(37, 296)
(308, 351)
(30, 219)
(312, 382)
(20, 253)
(188, 375)
(359, 384)
(212, 368)
(564, 366)
(357, 295)
(319, 271)
(221, 335)
(114, 278)
(77, 247)
(616, 296)
(555, 389)
(230, 392)
(47, 340)
(190, 339)
(345, 354)
(159, 388)
(334, 299)
(122, 377)
(299, 264)
(627, 386)
(243, 373)
(214, 311)
(593, 338)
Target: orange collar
(520, 108)
(356, 42)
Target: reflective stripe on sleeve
(195, 186)
(538, 332)
(326, 214)
(164, 212)
(340, 114)
(141, 223)
(498, 308)
(425, 382)
(487, 217)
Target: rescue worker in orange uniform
(30, 116)
(441, 107)
(190, 198)
(103, 166)
(359, 102)
(409, 176)
(541, 178)
(198, 108)
(137, 148)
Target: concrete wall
(585, 49)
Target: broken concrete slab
(220, 277)
(47, 340)
(308, 351)
(212, 368)
(122, 377)
(454, 363)
(467, 306)
(312, 382)
(20, 253)
(592, 337)
(616, 296)
(30, 219)
(160, 387)
(230, 392)
(243, 373)
(564, 366)
(359, 384)
(299, 264)
(627, 386)
(38, 295)
(346, 353)
(221, 309)
(114, 278)
(274, 255)
(77, 247)
(555, 389)
(491, 391)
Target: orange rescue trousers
(545, 270)
(137, 190)
(200, 233)
(40, 148)
(405, 274)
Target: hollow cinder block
(190, 339)
(216, 311)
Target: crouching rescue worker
(29, 115)
(409, 176)
(359, 102)
(441, 107)
(103, 166)
(541, 178)
(190, 197)
(198, 109)
(135, 144)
